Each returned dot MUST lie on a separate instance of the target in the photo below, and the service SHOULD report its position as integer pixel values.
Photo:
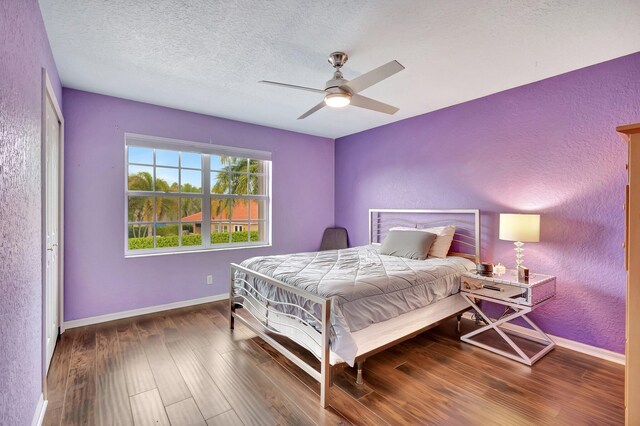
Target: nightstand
(520, 298)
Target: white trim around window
(172, 188)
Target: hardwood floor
(184, 367)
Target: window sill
(130, 255)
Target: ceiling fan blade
(292, 86)
(372, 77)
(368, 103)
(312, 110)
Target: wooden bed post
(325, 361)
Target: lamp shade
(520, 227)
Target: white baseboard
(142, 311)
(41, 408)
(569, 344)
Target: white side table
(522, 298)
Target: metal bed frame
(260, 307)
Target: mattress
(364, 286)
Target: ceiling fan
(339, 93)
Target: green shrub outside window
(191, 240)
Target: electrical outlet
(209, 279)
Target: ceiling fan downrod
(337, 60)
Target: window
(186, 196)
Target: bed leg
(232, 308)
(332, 373)
(231, 318)
(459, 317)
(359, 380)
(325, 361)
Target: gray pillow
(411, 245)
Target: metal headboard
(466, 240)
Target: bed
(346, 305)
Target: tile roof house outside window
(239, 214)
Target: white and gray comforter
(365, 287)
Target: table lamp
(520, 228)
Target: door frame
(47, 91)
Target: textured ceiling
(207, 56)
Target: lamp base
(519, 253)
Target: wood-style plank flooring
(184, 367)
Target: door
(52, 221)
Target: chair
(334, 239)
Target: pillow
(444, 238)
(412, 245)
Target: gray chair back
(334, 239)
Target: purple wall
(24, 51)
(548, 147)
(98, 279)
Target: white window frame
(207, 149)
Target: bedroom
(505, 107)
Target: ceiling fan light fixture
(337, 100)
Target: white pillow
(444, 238)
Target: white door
(52, 141)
